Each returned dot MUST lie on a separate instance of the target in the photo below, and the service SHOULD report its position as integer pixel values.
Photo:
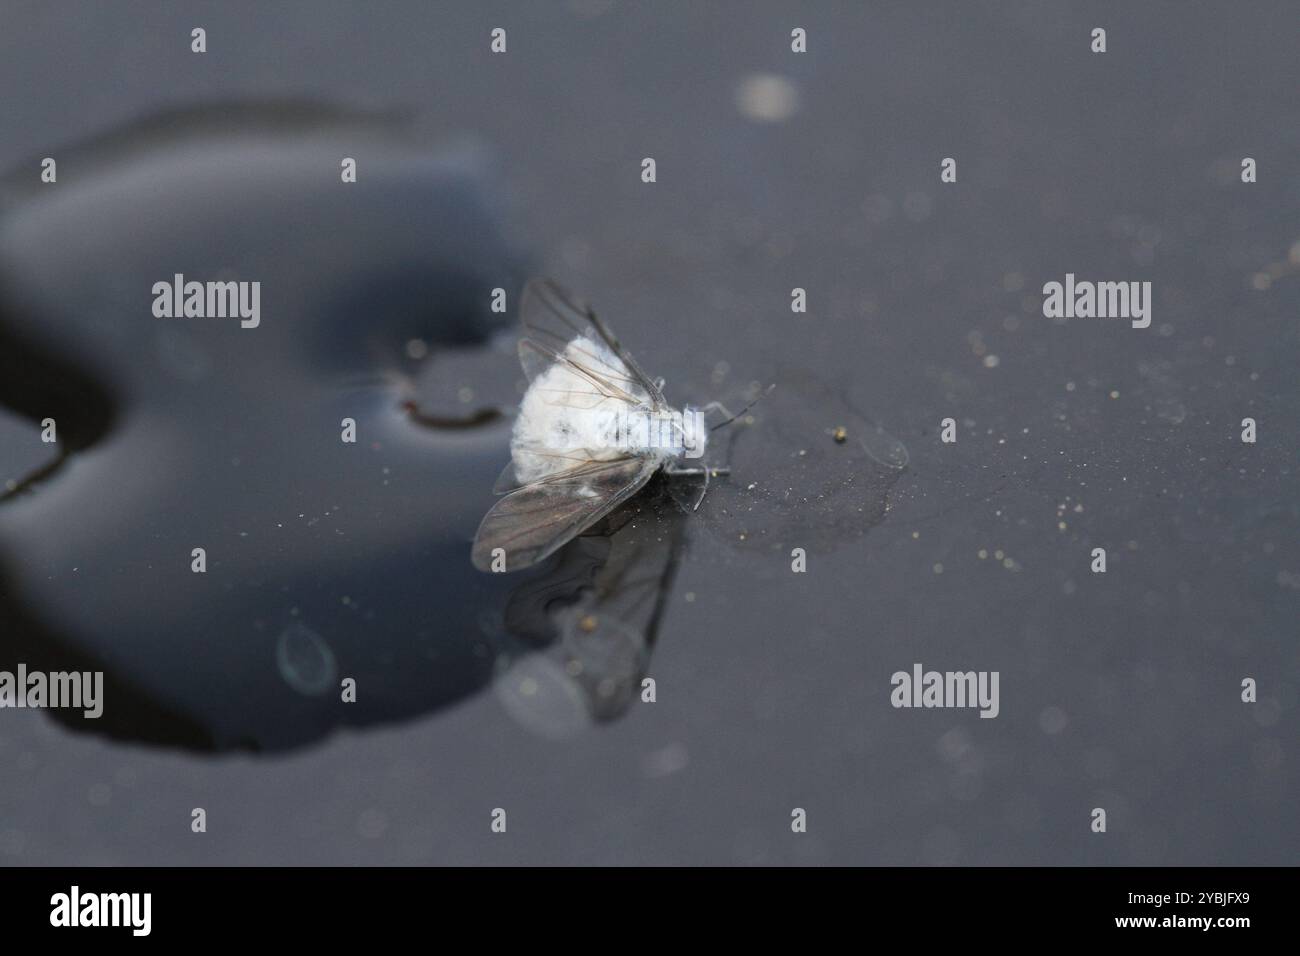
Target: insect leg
(695, 472)
(704, 491)
(715, 407)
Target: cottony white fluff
(562, 412)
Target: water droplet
(306, 662)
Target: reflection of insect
(592, 430)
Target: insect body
(592, 430)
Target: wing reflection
(593, 620)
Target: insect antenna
(745, 409)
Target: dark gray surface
(1118, 691)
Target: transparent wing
(580, 378)
(569, 464)
(552, 318)
(535, 520)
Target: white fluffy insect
(592, 429)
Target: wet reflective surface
(324, 559)
(328, 560)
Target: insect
(592, 430)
